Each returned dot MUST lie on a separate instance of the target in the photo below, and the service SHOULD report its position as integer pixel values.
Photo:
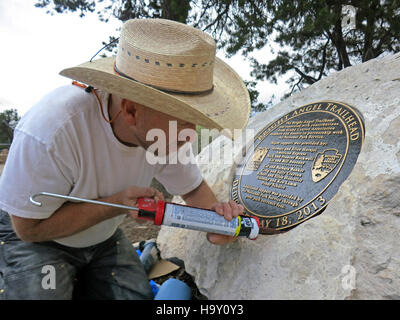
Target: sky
(36, 46)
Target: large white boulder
(350, 251)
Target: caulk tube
(175, 215)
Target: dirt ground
(137, 232)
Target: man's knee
(32, 271)
(116, 273)
(48, 282)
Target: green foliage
(60, 6)
(8, 121)
(256, 106)
(312, 40)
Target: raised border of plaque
(297, 164)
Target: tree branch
(217, 19)
(321, 70)
(296, 85)
(308, 79)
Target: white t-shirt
(63, 145)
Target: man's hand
(203, 197)
(129, 197)
(229, 210)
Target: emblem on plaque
(297, 164)
(324, 163)
(257, 159)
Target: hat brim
(226, 107)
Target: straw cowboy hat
(172, 68)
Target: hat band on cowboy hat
(162, 89)
(172, 68)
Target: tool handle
(55, 195)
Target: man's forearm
(69, 219)
(201, 197)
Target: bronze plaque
(297, 164)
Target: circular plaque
(297, 164)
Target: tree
(315, 41)
(177, 10)
(312, 38)
(8, 121)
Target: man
(93, 144)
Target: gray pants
(51, 271)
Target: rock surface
(348, 252)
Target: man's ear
(129, 111)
